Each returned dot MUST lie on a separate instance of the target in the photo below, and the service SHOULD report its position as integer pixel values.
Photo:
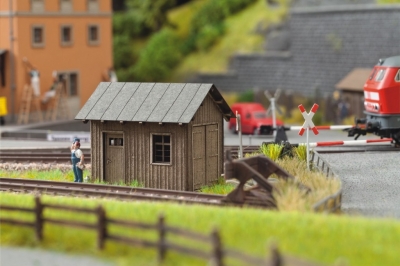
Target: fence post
(101, 227)
(217, 255)
(38, 218)
(276, 259)
(161, 238)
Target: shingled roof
(355, 80)
(150, 102)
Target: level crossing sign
(308, 123)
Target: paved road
(17, 256)
(371, 182)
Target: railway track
(106, 191)
(61, 156)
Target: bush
(131, 24)
(158, 58)
(214, 12)
(122, 51)
(208, 36)
(247, 96)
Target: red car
(253, 116)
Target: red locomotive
(382, 102)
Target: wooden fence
(216, 256)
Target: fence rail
(216, 256)
(331, 203)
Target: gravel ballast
(370, 182)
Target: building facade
(68, 38)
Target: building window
(37, 36)
(116, 142)
(93, 5)
(70, 82)
(93, 34)
(380, 75)
(161, 149)
(66, 35)
(66, 6)
(397, 77)
(37, 5)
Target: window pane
(73, 84)
(93, 5)
(93, 34)
(66, 5)
(37, 5)
(397, 78)
(380, 75)
(66, 34)
(161, 148)
(37, 35)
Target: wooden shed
(352, 89)
(164, 135)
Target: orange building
(71, 37)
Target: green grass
(52, 175)
(318, 238)
(240, 37)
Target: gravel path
(17, 256)
(371, 182)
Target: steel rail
(109, 188)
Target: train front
(382, 102)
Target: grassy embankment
(288, 196)
(315, 237)
(240, 37)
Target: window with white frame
(37, 5)
(37, 39)
(66, 35)
(397, 77)
(93, 34)
(92, 5)
(161, 148)
(66, 6)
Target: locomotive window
(372, 74)
(397, 77)
(380, 75)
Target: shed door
(211, 153)
(199, 156)
(205, 155)
(114, 160)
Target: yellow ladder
(58, 104)
(28, 103)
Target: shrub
(214, 12)
(272, 151)
(131, 23)
(300, 152)
(158, 58)
(208, 35)
(123, 56)
(246, 96)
